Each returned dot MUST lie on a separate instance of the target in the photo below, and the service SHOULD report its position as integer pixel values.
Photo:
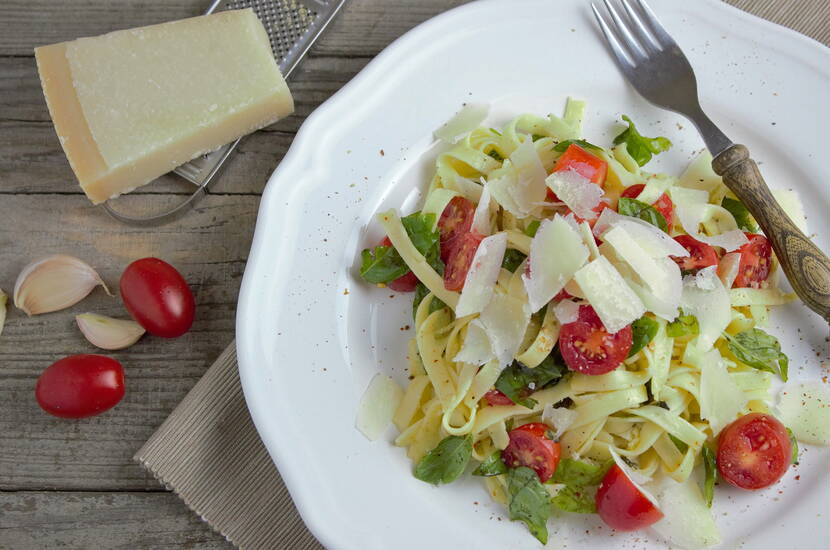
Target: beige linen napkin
(208, 450)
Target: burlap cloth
(208, 450)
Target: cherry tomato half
(756, 261)
(664, 204)
(455, 221)
(80, 386)
(621, 505)
(461, 257)
(700, 254)
(588, 348)
(404, 283)
(754, 451)
(529, 446)
(495, 398)
(157, 297)
(582, 162)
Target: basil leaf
(580, 480)
(419, 227)
(421, 292)
(643, 331)
(493, 466)
(794, 444)
(562, 146)
(685, 325)
(382, 264)
(446, 462)
(641, 148)
(643, 211)
(512, 259)
(681, 446)
(528, 501)
(518, 381)
(742, 216)
(537, 137)
(532, 228)
(710, 473)
(759, 350)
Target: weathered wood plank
(32, 161)
(85, 521)
(363, 28)
(209, 246)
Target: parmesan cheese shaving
(705, 297)
(505, 319)
(378, 406)
(482, 275)
(615, 303)
(687, 521)
(791, 203)
(556, 253)
(700, 176)
(477, 349)
(566, 311)
(481, 217)
(721, 400)
(805, 409)
(468, 118)
(692, 211)
(728, 268)
(579, 193)
(559, 418)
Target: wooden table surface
(73, 484)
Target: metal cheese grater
(292, 27)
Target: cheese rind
(131, 105)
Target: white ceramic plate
(311, 335)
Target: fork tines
(634, 36)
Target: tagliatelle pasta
(686, 340)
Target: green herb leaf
(741, 214)
(641, 148)
(518, 381)
(382, 264)
(532, 228)
(794, 443)
(495, 155)
(528, 501)
(446, 462)
(562, 146)
(681, 446)
(537, 137)
(580, 480)
(420, 293)
(759, 350)
(492, 466)
(646, 212)
(512, 259)
(643, 331)
(685, 325)
(710, 473)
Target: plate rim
(246, 351)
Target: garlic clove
(108, 333)
(3, 300)
(54, 283)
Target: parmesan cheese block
(131, 105)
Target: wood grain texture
(806, 266)
(32, 520)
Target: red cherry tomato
(664, 204)
(495, 398)
(460, 259)
(157, 297)
(700, 254)
(621, 505)
(584, 163)
(588, 348)
(756, 261)
(529, 446)
(80, 386)
(562, 295)
(404, 283)
(754, 451)
(455, 221)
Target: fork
(653, 63)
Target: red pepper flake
(382, 153)
(798, 478)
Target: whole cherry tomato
(157, 297)
(80, 386)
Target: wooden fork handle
(807, 267)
